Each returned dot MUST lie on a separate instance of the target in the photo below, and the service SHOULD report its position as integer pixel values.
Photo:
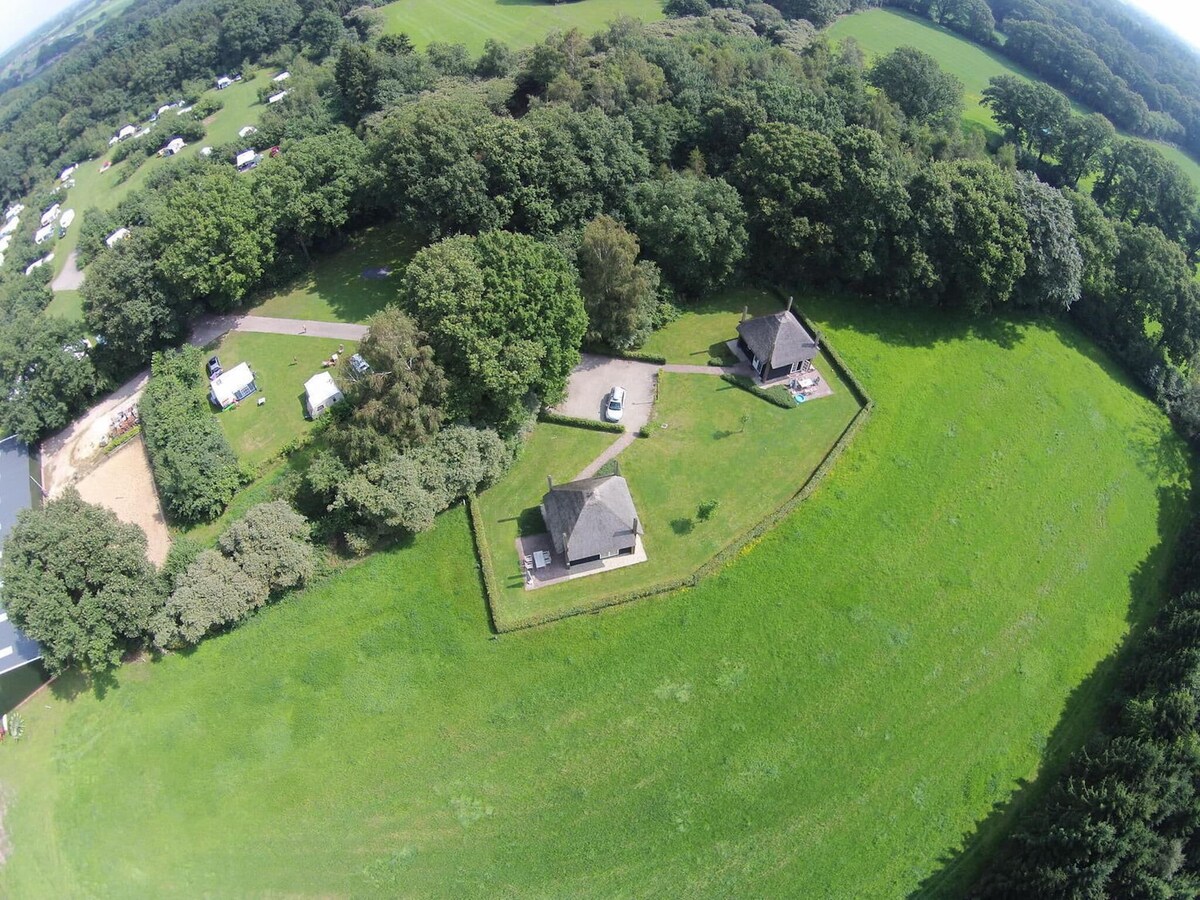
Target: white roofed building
(116, 237)
(232, 386)
(282, 76)
(126, 131)
(320, 393)
(174, 145)
(44, 232)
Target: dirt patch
(70, 278)
(123, 483)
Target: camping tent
(320, 393)
(233, 385)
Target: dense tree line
(1123, 819)
(196, 470)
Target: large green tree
(76, 580)
(693, 226)
(913, 80)
(619, 292)
(213, 591)
(1054, 266)
(505, 318)
(400, 402)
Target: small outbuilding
(591, 519)
(320, 393)
(116, 237)
(275, 98)
(777, 345)
(232, 386)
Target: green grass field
(702, 329)
(705, 453)
(66, 305)
(880, 31)
(335, 291)
(517, 23)
(257, 433)
(833, 714)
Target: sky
(1180, 16)
(19, 17)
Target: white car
(614, 407)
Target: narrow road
(70, 278)
(343, 331)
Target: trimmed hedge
(123, 439)
(554, 418)
(775, 395)
(634, 355)
(716, 562)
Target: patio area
(539, 548)
(812, 384)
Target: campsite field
(258, 433)
(517, 23)
(336, 290)
(880, 31)
(842, 707)
(104, 190)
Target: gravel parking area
(595, 376)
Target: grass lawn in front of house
(336, 290)
(708, 441)
(704, 326)
(258, 433)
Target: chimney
(549, 482)
(789, 306)
(745, 313)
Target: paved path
(343, 331)
(70, 278)
(740, 369)
(609, 452)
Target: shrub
(706, 509)
(214, 591)
(194, 467)
(576, 422)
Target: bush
(706, 509)
(271, 544)
(576, 422)
(194, 467)
(214, 591)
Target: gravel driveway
(595, 376)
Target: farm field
(842, 707)
(705, 452)
(258, 433)
(517, 23)
(880, 31)
(335, 290)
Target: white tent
(127, 131)
(68, 217)
(223, 82)
(246, 159)
(231, 386)
(246, 130)
(119, 235)
(174, 145)
(320, 393)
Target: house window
(6, 651)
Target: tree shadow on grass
(906, 326)
(682, 526)
(1091, 706)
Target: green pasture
(880, 31)
(838, 712)
(335, 290)
(708, 441)
(281, 364)
(517, 23)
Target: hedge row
(483, 552)
(634, 355)
(122, 439)
(575, 422)
(775, 395)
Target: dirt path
(343, 331)
(122, 482)
(70, 278)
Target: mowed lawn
(701, 331)
(880, 31)
(834, 714)
(708, 441)
(338, 288)
(517, 23)
(281, 364)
